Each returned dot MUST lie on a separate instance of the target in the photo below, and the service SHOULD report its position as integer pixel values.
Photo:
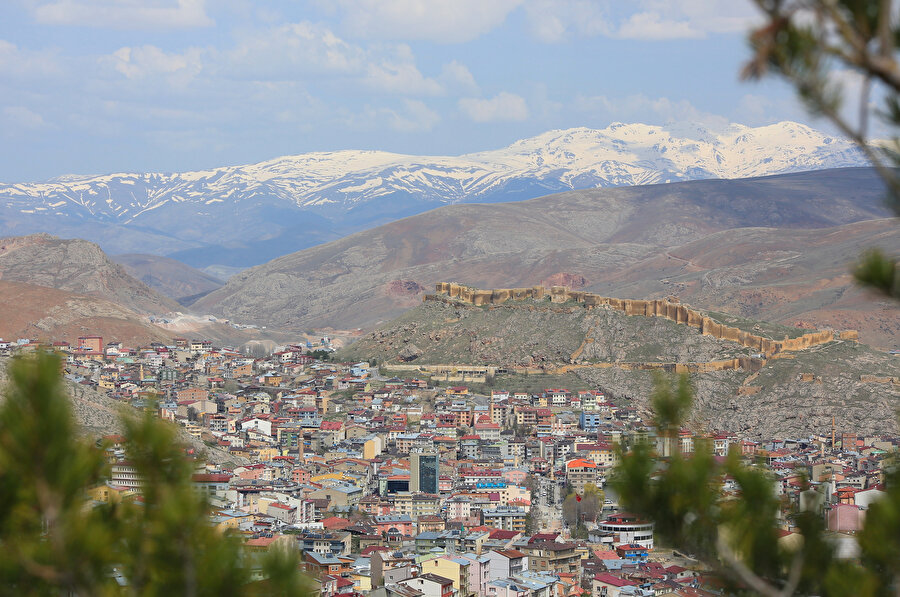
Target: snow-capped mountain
(296, 201)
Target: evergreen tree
(54, 540)
(807, 42)
(738, 534)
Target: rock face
(76, 266)
(777, 249)
(410, 352)
(792, 393)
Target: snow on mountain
(373, 184)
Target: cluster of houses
(390, 486)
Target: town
(401, 484)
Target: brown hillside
(30, 311)
(775, 248)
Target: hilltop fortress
(667, 308)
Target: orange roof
(581, 463)
(261, 541)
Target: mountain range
(237, 216)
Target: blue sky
(97, 86)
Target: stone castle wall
(671, 310)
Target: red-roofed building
(580, 472)
(501, 535)
(335, 523)
(610, 585)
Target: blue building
(590, 421)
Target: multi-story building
(590, 420)
(124, 474)
(503, 563)
(553, 557)
(415, 505)
(336, 542)
(624, 529)
(580, 472)
(424, 473)
(454, 568)
(508, 518)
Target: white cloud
(455, 75)
(23, 118)
(652, 26)
(304, 52)
(561, 20)
(28, 63)
(412, 116)
(709, 16)
(294, 49)
(125, 14)
(557, 20)
(148, 60)
(502, 107)
(398, 74)
(445, 21)
(415, 118)
(647, 110)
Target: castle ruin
(671, 310)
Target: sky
(100, 86)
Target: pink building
(844, 518)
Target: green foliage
(532, 520)
(879, 272)
(576, 512)
(54, 540)
(737, 532)
(320, 354)
(45, 541)
(670, 405)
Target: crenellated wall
(745, 363)
(671, 310)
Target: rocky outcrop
(77, 266)
(666, 308)
(409, 353)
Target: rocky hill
(245, 215)
(777, 248)
(76, 266)
(169, 277)
(794, 390)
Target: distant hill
(245, 215)
(76, 266)
(169, 277)
(793, 394)
(57, 289)
(635, 242)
